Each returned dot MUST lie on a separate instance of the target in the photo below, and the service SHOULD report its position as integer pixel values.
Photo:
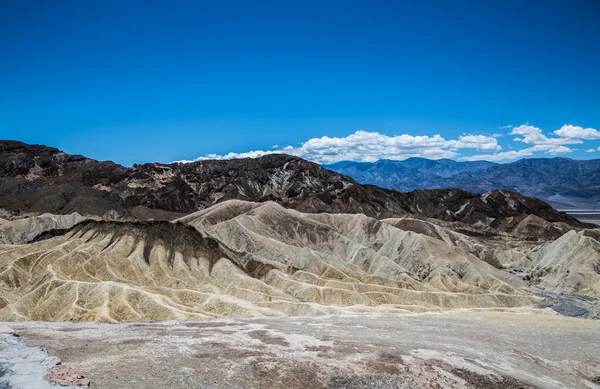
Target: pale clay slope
(351, 243)
(24, 230)
(245, 259)
(570, 264)
(453, 238)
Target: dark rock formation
(35, 179)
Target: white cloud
(371, 146)
(478, 142)
(590, 151)
(533, 136)
(554, 150)
(247, 154)
(515, 154)
(576, 132)
(506, 127)
(499, 156)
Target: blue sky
(138, 82)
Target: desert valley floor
(459, 349)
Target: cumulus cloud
(533, 136)
(590, 151)
(530, 135)
(247, 154)
(477, 142)
(369, 146)
(576, 132)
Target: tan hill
(244, 259)
(570, 264)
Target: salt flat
(585, 216)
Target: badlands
(241, 258)
(275, 272)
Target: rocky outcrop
(24, 366)
(67, 376)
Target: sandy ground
(469, 349)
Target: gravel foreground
(459, 349)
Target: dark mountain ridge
(36, 179)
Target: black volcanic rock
(36, 179)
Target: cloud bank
(371, 146)
(576, 132)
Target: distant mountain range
(562, 182)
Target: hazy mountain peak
(563, 182)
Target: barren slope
(21, 231)
(244, 259)
(570, 264)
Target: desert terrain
(458, 349)
(275, 272)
